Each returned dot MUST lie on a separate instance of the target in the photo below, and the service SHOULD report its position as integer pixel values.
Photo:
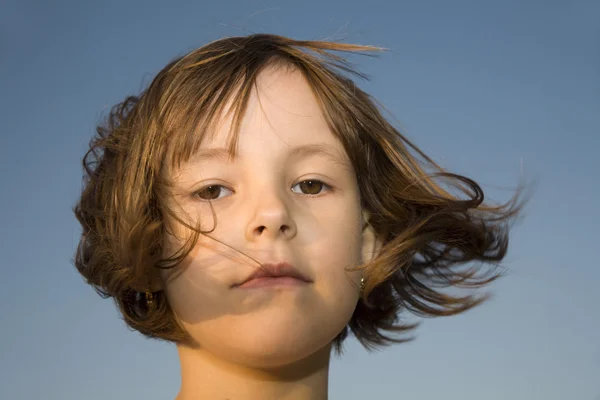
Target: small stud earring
(362, 284)
(149, 298)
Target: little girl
(252, 206)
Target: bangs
(195, 105)
(197, 92)
(201, 96)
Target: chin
(275, 336)
(267, 346)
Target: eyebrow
(317, 149)
(323, 150)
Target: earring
(149, 299)
(362, 284)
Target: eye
(311, 187)
(212, 192)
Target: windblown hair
(437, 233)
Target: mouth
(274, 275)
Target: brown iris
(311, 187)
(210, 192)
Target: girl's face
(290, 195)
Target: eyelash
(326, 188)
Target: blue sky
(499, 91)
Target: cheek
(330, 257)
(197, 289)
(192, 213)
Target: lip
(278, 274)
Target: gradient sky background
(496, 90)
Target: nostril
(284, 228)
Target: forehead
(282, 110)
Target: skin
(270, 343)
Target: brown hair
(432, 239)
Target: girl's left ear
(371, 245)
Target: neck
(204, 376)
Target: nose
(271, 219)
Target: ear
(371, 245)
